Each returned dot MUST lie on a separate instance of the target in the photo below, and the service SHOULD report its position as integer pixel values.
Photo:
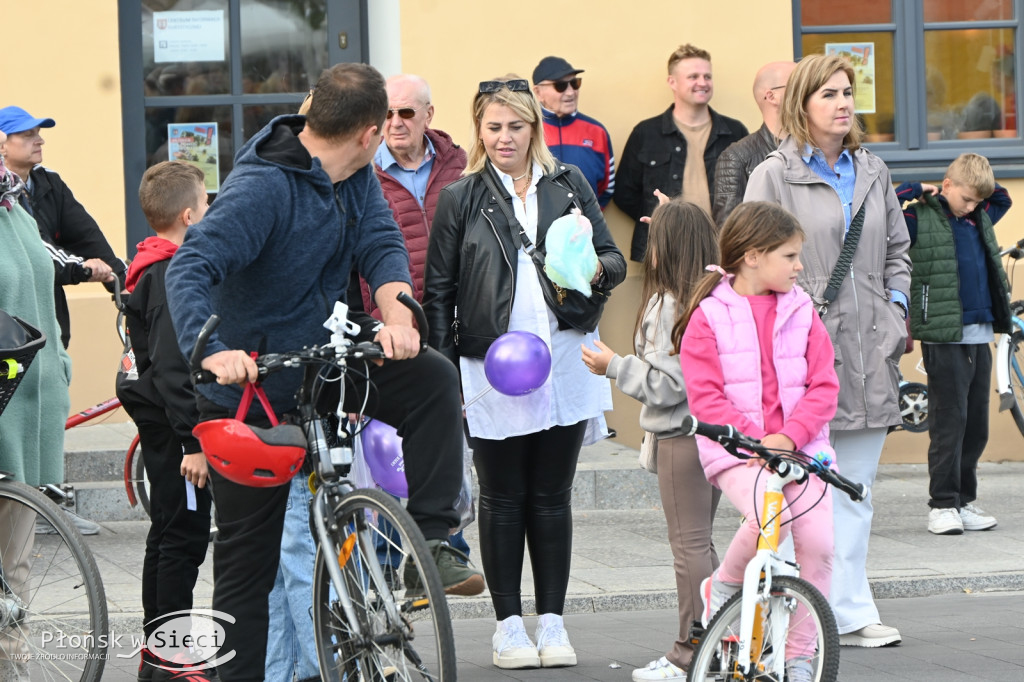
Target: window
(200, 77)
(934, 77)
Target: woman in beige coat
(822, 175)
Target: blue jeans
(388, 533)
(291, 651)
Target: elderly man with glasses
(571, 136)
(740, 159)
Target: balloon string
(479, 395)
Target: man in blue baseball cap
(75, 242)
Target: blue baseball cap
(17, 120)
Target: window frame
(912, 156)
(348, 17)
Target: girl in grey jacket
(682, 241)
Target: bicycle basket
(15, 361)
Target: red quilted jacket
(414, 220)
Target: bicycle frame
(761, 567)
(1004, 367)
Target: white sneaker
(714, 593)
(512, 647)
(553, 642)
(974, 518)
(872, 636)
(661, 669)
(945, 521)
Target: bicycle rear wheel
(1015, 363)
(792, 601)
(53, 610)
(393, 638)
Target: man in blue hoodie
(300, 209)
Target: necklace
(522, 176)
(522, 193)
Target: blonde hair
(758, 226)
(810, 74)
(525, 105)
(973, 171)
(167, 189)
(687, 51)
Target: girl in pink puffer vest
(755, 355)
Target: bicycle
(747, 638)
(53, 608)
(1010, 352)
(364, 630)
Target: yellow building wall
(454, 44)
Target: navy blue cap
(17, 120)
(553, 68)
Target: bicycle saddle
(250, 455)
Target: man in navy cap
(571, 136)
(78, 248)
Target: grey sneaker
(799, 670)
(84, 526)
(976, 519)
(456, 577)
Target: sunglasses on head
(404, 112)
(562, 86)
(518, 85)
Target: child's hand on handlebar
(778, 441)
(231, 367)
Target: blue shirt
(843, 179)
(413, 179)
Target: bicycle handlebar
(730, 438)
(269, 363)
(1016, 251)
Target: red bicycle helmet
(250, 455)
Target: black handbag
(572, 309)
(843, 263)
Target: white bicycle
(1010, 352)
(747, 638)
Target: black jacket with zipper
(70, 233)
(470, 279)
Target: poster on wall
(197, 145)
(196, 36)
(862, 57)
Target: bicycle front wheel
(53, 611)
(384, 635)
(793, 604)
(1015, 365)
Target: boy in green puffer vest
(959, 299)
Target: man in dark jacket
(740, 159)
(79, 251)
(675, 152)
(301, 207)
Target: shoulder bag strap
(845, 262)
(519, 236)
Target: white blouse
(571, 393)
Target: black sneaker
(183, 674)
(457, 578)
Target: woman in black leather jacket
(478, 286)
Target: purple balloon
(382, 450)
(517, 363)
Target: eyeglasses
(517, 85)
(404, 112)
(777, 87)
(562, 86)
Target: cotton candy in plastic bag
(571, 261)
